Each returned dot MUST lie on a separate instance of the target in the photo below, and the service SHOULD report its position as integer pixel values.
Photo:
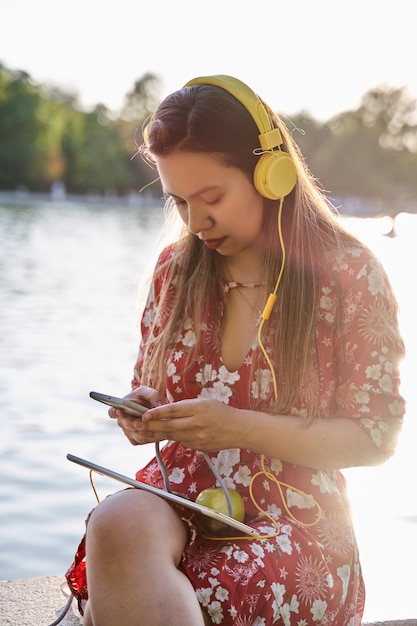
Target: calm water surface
(69, 309)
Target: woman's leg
(134, 545)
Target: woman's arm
(333, 443)
(210, 425)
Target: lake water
(69, 310)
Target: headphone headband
(269, 137)
(275, 174)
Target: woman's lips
(213, 244)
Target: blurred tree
(100, 160)
(393, 112)
(139, 104)
(47, 163)
(142, 100)
(370, 153)
(19, 100)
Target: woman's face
(217, 203)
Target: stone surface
(35, 602)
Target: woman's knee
(118, 511)
(138, 517)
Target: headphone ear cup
(275, 175)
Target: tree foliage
(370, 153)
(45, 136)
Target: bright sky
(315, 55)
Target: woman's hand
(200, 424)
(147, 396)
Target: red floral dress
(309, 573)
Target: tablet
(129, 406)
(171, 497)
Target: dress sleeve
(367, 348)
(150, 321)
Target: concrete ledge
(34, 602)
(39, 601)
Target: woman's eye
(177, 201)
(213, 202)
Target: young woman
(269, 358)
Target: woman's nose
(198, 219)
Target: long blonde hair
(207, 119)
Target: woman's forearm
(333, 443)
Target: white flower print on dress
(396, 408)
(373, 371)
(284, 543)
(299, 500)
(226, 377)
(225, 461)
(274, 510)
(218, 391)
(189, 339)
(177, 475)
(148, 318)
(326, 301)
(204, 595)
(386, 384)
(344, 574)
(288, 608)
(326, 481)
(261, 385)
(221, 594)
(278, 591)
(375, 278)
(276, 466)
(240, 556)
(171, 369)
(318, 610)
(287, 529)
(259, 552)
(178, 354)
(340, 262)
(242, 476)
(327, 305)
(207, 374)
(362, 396)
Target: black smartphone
(133, 408)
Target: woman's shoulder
(353, 255)
(165, 273)
(353, 261)
(166, 258)
(166, 254)
(358, 268)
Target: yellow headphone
(275, 173)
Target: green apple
(214, 498)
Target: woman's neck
(249, 271)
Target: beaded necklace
(231, 284)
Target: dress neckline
(232, 284)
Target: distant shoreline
(134, 199)
(347, 207)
